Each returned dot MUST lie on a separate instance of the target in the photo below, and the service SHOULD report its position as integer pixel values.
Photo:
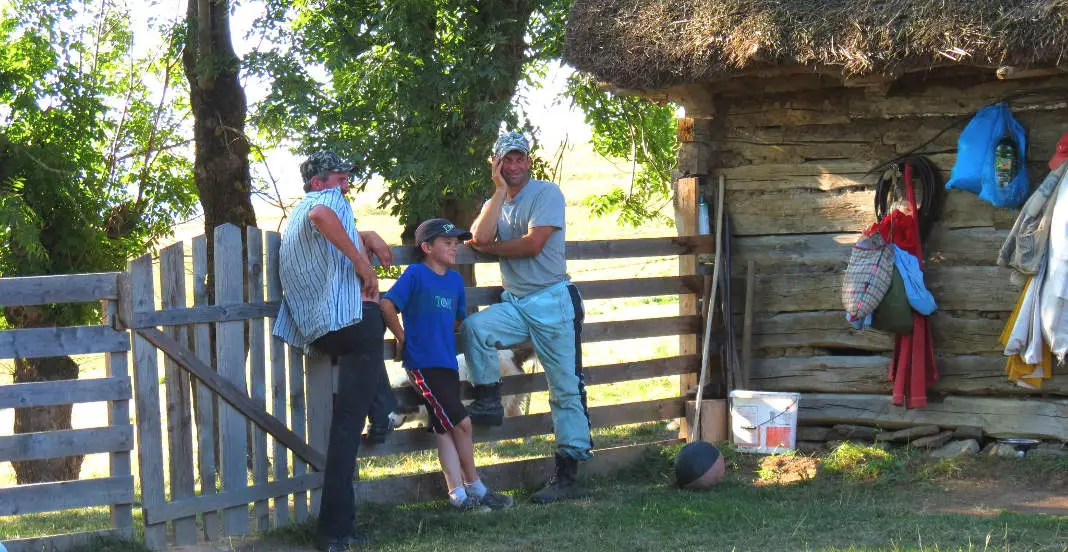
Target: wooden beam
(608, 289)
(594, 375)
(50, 342)
(233, 396)
(958, 375)
(230, 499)
(999, 417)
(664, 285)
(588, 250)
(64, 288)
(65, 495)
(52, 393)
(66, 442)
(205, 314)
(686, 193)
(517, 475)
(409, 440)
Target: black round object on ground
(699, 464)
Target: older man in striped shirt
(329, 303)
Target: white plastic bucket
(764, 421)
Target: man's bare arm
(528, 245)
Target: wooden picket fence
(232, 424)
(116, 439)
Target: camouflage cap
(324, 161)
(511, 141)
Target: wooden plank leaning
(138, 295)
(176, 392)
(278, 378)
(257, 370)
(205, 403)
(234, 397)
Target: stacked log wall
(796, 165)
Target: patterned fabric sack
(868, 276)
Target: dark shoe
(356, 538)
(332, 545)
(486, 410)
(496, 501)
(376, 434)
(471, 503)
(563, 484)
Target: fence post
(298, 421)
(179, 430)
(278, 378)
(230, 355)
(686, 218)
(319, 370)
(118, 415)
(205, 401)
(257, 369)
(141, 298)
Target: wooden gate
(211, 468)
(116, 438)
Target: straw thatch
(658, 43)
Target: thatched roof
(659, 43)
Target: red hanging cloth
(913, 366)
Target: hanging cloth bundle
(912, 368)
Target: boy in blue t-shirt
(430, 297)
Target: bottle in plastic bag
(1005, 161)
(703, 227)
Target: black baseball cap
(430, 229)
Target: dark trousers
(384, 403)
(361, 369)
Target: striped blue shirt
(320, 289)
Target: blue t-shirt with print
(429, 304)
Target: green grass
(640, 510)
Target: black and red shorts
(440, 389)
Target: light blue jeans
(552, 320)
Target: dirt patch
(785, 470)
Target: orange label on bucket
(778, 436)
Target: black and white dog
(511, 361)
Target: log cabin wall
(794, 150)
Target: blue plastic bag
(974, 170)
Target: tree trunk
(42, 418)
(217, 99)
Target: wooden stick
(695, 430)
(747, 323)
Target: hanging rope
(925, 176)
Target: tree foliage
(91, 170)
(418, 90)
(633, 128)
(415, 90)
(91, 165)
